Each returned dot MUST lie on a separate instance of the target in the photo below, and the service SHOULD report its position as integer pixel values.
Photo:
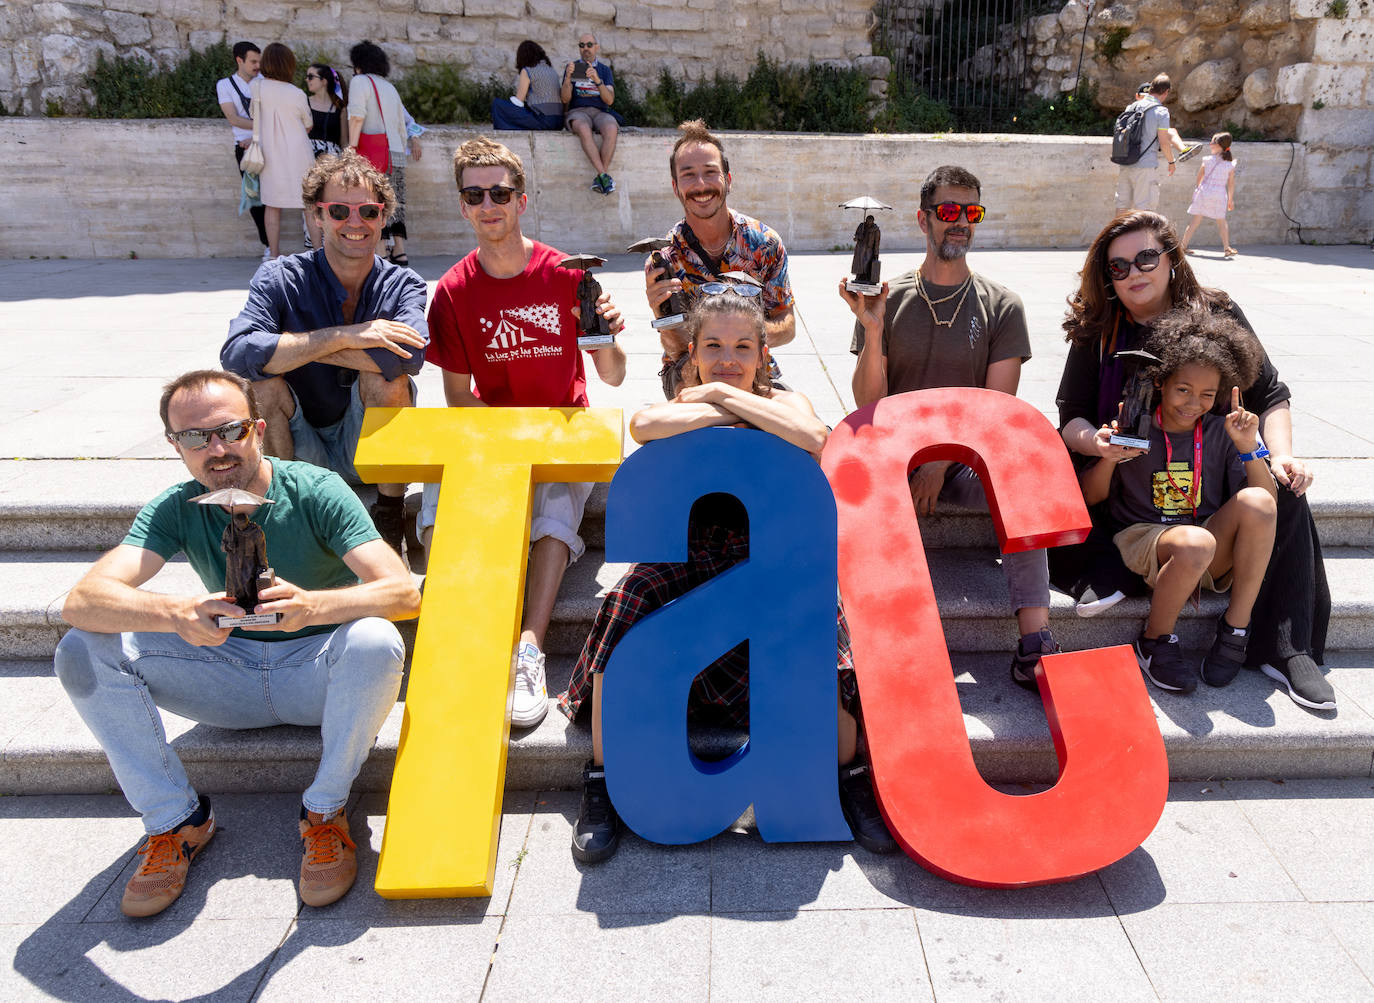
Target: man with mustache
(328, 333)
(713, 239)
(942, 325)
(333, 660)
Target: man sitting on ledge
(333, 660)
(328, 333)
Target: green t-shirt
(990, 326)
(315, 520)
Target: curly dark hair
(352, 170)
(724, 304)
(1195, 335)
(369, 58)
(696, 131)
(1094, 308)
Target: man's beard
(950, 250)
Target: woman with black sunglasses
(1135, 272)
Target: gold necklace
(961, 292)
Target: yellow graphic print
(1172, 499)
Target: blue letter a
(782, 600)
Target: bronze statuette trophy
(1133, 425)
(245, 557)
(672, 312)
(594, 331)
(866, 268)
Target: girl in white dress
(1214, 193)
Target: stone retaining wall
(169, 188)
(47, 48)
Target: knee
(74, 662)
(376, 391)
(579, 126)
(1257, 506)
(274, 396)
(372, 645)
(610, 130)
(1192, 546)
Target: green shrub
(442, 93)
(1337, 8)
(1075, 114)
(131, 87)
(1110, 45)
(1241, 134)
(909, 110)
(773, 98)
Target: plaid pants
(720, 693)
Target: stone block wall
(1281, 67)
(169, 188)
(48, 47)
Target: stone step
(1247, 730)
(969, 588)
(89, 504)
(971, 591)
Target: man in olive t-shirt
(944, 326)
(333, 660)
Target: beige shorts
(595, 117)
(1139, 546)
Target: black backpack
(1128, 136)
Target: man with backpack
(1141, 132)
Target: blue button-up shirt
(300, 293)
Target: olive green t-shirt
(314, 521)
(990, 326)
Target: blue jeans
(1028, 572)
(344, 682)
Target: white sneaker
(530, 701)
(267, 254)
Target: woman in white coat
(281, 113)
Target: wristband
(1258, 454)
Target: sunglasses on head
(199, 438)
(738, 288)
(948, 212)
(1147, 261)
(500, 194)
(368, 212)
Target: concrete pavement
(1245, 890)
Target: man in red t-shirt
(503, 328)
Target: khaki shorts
(599, 120)
(1139, 546)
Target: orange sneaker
(161, 875)
(329, 858)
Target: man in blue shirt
(327, 333)
(588, 93)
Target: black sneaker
(597, 833)
(1223, 662)
(860, 809)
(1162, 661)
(1023, 662)
(1304, 681)
(390, 521)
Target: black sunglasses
(199, 438)
(500, 194)
(1147, 261)
(586, 45)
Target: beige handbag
(253, 161)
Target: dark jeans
(258, 212)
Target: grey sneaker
(1304, 682)
(1023, 662)
(1227, 654)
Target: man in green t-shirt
(333, 660)
(942, 325)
